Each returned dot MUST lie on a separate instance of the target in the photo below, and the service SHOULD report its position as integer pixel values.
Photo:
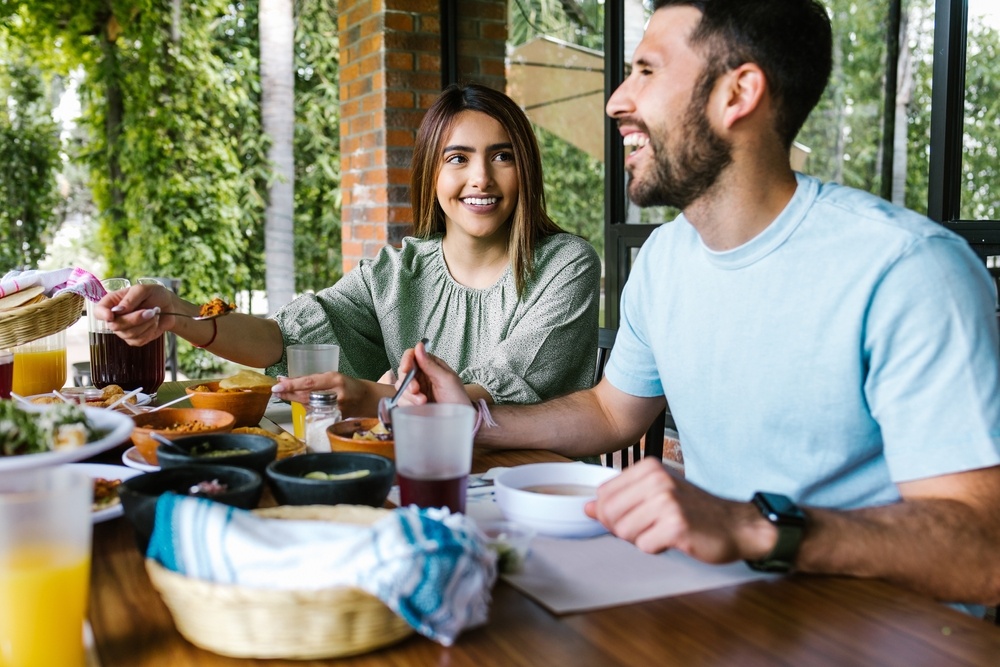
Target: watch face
(779, 508)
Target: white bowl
(528, 495)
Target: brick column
(390, 73)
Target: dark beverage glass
(6, 373)
(448, 492)
(113, 361)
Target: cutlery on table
(385, 405)
(124, 398)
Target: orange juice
(39, 372)
(43, 598)
(299, 420)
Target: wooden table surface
(797, 620)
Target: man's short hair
(790, 40)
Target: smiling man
(831, 360)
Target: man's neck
(741, 205)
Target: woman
(501, 292)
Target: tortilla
(247, 379)
(25, 297)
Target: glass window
(980, 192)
(555, 71)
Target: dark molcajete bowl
(211, 449)
(290, 486)
(139, 494)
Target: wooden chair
(652, 443)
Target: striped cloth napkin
(71, 279)
(431, 567)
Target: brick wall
(390, 72)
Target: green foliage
(29, 153)
(574, 188)
(318, 260)
(980, 174)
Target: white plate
(105, 471)
(133, 459)
(140, 398)
(115, 426)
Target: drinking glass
(6, 372)
(40, 366)
(306, 359)
(113, 361)
(433, 453)
(45, 530)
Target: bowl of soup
(550, 497)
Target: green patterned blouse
(520, 350)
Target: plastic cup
(113, 361)
(40, 366)
(433, 453)
(307, 359)
(45, 531)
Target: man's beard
(701, 157)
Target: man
(815, 343)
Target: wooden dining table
(793, 620)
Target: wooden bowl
(341, 436)
(246, 405)
(173, 423)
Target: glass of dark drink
(433, 454)
(6, 373)
(113, 361)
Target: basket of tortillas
(27, 314)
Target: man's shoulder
(852, 203)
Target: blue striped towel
(431, 567)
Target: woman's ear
(742, 92)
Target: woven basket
(292, 624)
(28, 323)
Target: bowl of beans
(244, 450)
(174, 423)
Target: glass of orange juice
(45, 524)
(307, 359)
(40, 366)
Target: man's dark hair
(790, 40)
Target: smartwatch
(791, 524)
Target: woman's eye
(454, 159)
(504, 156)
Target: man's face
(661, 113)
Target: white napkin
(70, 279)
(431, 567)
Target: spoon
(198, 318)
(169, 403)
(22, 399)
(385, 405)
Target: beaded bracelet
(215, 332)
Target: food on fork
(215, 307)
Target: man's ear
(741, 92)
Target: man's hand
(655, 510)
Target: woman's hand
(133, 313)
(435, 381)
(355, 398)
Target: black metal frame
(449, 43)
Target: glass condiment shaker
(321, 412)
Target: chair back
(651, 444)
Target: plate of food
(51, 434)
(133, 458)
(90, 396)
(106, 478)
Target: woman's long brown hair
(529, 223)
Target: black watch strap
(791, 524)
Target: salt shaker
(321, 412)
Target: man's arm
(940, 540)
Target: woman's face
(477, 181)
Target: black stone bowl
(210, 450)
(139, 494)
(290, 486)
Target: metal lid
(323, 398)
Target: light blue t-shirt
(850, 345)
